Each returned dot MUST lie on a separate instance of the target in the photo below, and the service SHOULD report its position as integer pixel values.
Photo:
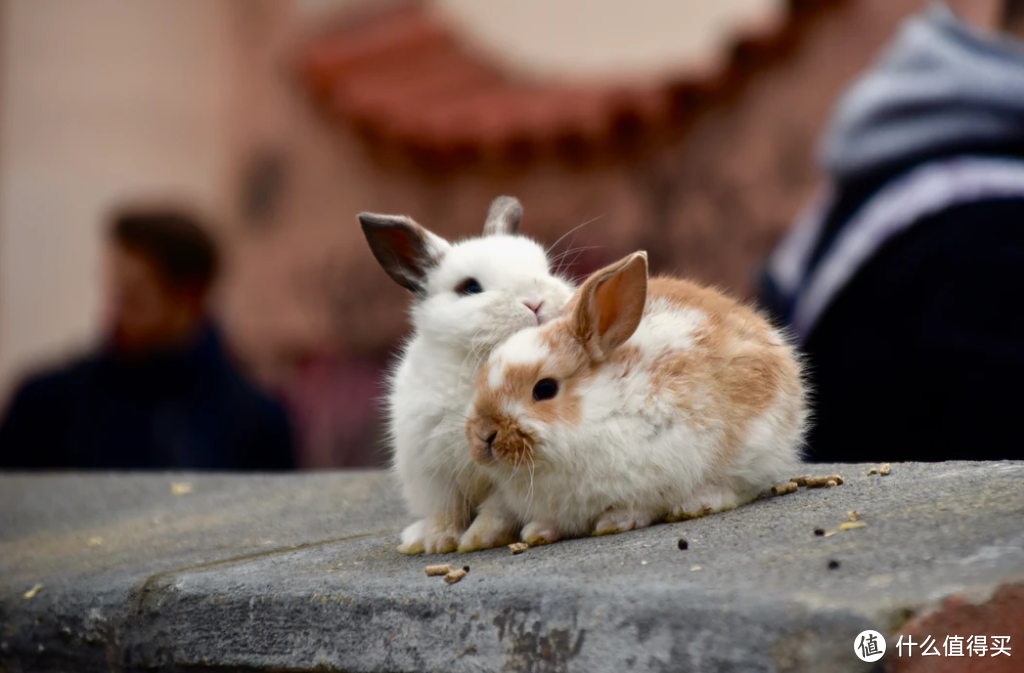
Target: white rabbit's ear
(610, 305)
(504, 216)
(405, 250)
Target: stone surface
(299, 573)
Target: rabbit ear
(504, 216)
(404, 249)
(610, 306)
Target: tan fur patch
(737, 364)
(566, 366)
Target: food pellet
(820, 482)
(434, 571)
(873, 470)
(683, 544)
(853, 515)
(455, 575)
(31, 593)
(518, 547)
(783, 489)
(838, 479)
(885, 469)
(801, 481)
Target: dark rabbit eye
(545, 389)
(469, 286)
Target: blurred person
(160, 391)
(903, 283)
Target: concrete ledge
(299, 573)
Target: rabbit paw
(537, 533)
(442, 540)
(412, 538)
(487, 532)
(621, 520)
(704, 501)
(430, 537)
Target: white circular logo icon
(869, 645)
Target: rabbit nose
(490, 445)
(534, 306)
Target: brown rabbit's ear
(610, 305)
(504, 216)
(404, 249)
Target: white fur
(638, 456)
(667, 327)
(432, 386)
(524, 347)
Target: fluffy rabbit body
(469, 296)
(645, 401)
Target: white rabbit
(469, 296)
(643, 402)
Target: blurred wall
(101, 100)
(597, 39)
(197, 100)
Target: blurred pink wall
(104, 100)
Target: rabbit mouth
(495, 442)
(515, 448)
(531, 320)
(482, 450)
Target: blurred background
(684, 127)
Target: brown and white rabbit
(645, 401)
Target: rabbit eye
(469, 286)
(545, 389)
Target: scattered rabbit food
(456, 575)
(181, 488)
(807, 481)
(439, 570)
(783, 489)
(518, 547)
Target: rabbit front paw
(537, 533)
(621, 520)
(412, 538)
(487, 532)
(443, 539)
(428, 536)
(704, 501)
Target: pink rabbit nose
(534, 306)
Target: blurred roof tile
(406, 79)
